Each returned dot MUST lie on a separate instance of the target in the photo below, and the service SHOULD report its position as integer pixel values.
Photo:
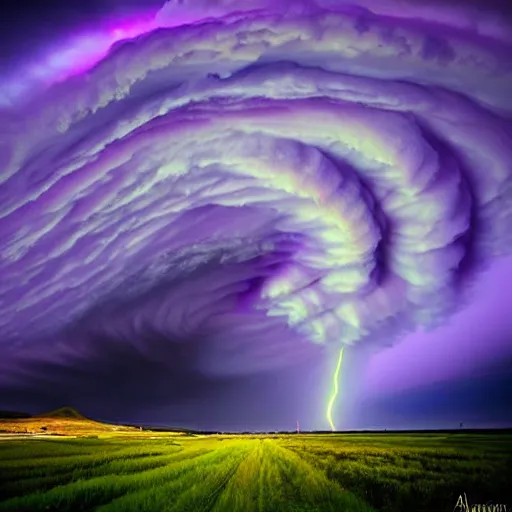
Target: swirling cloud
(269, 180)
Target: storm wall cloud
(256, 186)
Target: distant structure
(298, 427)
(461, 424)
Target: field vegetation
(281, 473)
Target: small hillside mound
(63, 413)
(63, 421)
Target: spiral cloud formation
(270, 181)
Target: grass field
(287, 473)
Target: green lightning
(334, 393)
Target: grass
(285, 473)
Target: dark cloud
(188, 201)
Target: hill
(63, 412)
(63, 421)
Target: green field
(351, 472)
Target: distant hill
(63, 421)
(11, 415)
(63, 413)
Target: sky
(201, 203)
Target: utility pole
(298, 427)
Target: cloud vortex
(258, 180)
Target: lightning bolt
(334, 393)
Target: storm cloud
(252, 188)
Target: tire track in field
(49, 466)
(90, 493)
(240, 493)
(219, 490)
(270, 479)
(124, 466)
(304, 487)
(195, 488)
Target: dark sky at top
(232, 369)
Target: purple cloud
(269, 184)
